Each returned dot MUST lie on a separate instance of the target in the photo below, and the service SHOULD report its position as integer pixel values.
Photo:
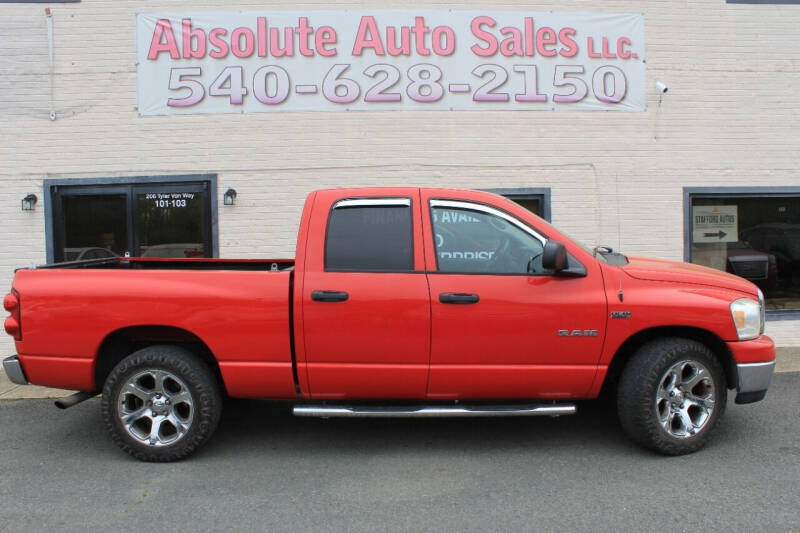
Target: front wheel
(161, 403)
(671, 395)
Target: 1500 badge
(577, 333)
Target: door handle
(458, 298)
(329, 296)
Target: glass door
(92, 224)
(148, 220)
(170, 221)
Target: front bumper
(755, 366)
(14, 370)
(753, 381)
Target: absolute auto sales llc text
(441, 58)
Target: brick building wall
(729, 119)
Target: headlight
(746, 315)
(763, 311)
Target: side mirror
(554, 256)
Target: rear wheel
(671, 395)
(161, 403)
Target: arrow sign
(715, 223)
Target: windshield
(588, 250)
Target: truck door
(502, 328)
(365, 300)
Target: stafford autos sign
(240, 62)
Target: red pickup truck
(401, 302)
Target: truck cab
(447, 298)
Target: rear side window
(370, 235)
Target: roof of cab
(382, 190)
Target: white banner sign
(243, 62)
(715, 223)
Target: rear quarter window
(370, 238)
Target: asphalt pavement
(265, 470)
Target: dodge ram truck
(400, 302)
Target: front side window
(370, 235)
(756, 237)
(475, 239)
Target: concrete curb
(788, 360)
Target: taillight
(13, 323)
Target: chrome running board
(432, 411)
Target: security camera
(661, 87)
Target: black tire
(196, 409)
(642, 399)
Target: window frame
(527, 193)
(108, 185)
(690, 193)
(370, 201)
(486, 209)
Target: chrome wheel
(685, 398)
(155, 407)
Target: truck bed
(171, 263)
(239, 310)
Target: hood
(675, 271)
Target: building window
(164, 216)
(752, 233)
(534, 199)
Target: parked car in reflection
(174, 249)
(759, 267)
(781, 240)
(88, 252)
